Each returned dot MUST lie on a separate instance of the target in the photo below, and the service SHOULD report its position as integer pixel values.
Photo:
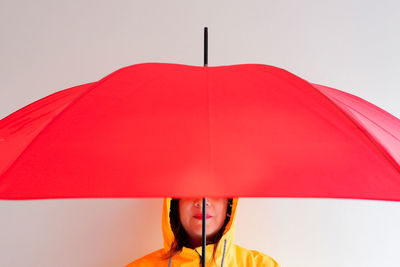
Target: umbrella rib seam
(101, 81)
(210, 166)
(378, 146)
(354, 110)
(372, 139)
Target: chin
(199, 233)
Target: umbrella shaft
(203, 257)
(205, 46)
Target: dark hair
(181, 237)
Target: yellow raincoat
(227, 254)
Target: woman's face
(190, 214)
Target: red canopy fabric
(160, 129)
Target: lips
(199, 216)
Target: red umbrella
(159, 129)
(156, 129)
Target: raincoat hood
(227, 254)
(224, 245)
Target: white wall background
(351, 45)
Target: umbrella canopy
(160, 129)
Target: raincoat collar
(224, 245)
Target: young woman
(182, 225)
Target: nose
(198, 202)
